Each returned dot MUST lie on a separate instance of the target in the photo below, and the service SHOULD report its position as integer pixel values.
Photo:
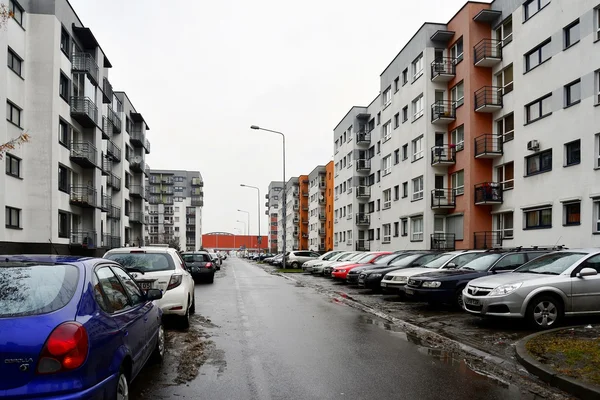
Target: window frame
(67, 142)
(387, 236)
(386, 165)
(404, 190)
(12, 5)
(460, 145)
(539, 212)
(405, 113)
(501, 31)
(537, 103)
(66, 52)
(396, 229)
(416, 235)
(11, 57)
(9, 166)
(541, 4)
(387, 198)
(458, 189)
(387, 97)
(454, 54)
(538, 51)
(540, 170)
(569, 101)
(566, 213)
(417, 67)
(67, 182)
(416, 112)
(597, 78)
(507, 136)
(67, 86)
(568, 41)
(396, 192)
(10, 109)
(506, 87)
(501, 170)
(501, 224)
(404, 76)
(415, 144)
(418, 192)
(386, 131)
(65, 234)
(454, 94)
(396, 156)
(396, 120)
(9, 223)
(568, 162)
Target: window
(65, 41)
(13, 114)
(396, 156)
(113, 290)
(504, 32)
(378, 204)
(458, 182)
(456, 51)
(504, 80)
(405, 113)
(597, 22)
(538, 219)
(404, 226)
(571, 34)
(387, 97)
(63, 179)
(387, 199)
(596, 215)
(378, 233)
(14, 62)
(396, 84)
(13, 166)
(506, 175)
(504, 224)
(506, 127)
(455, 225)
(538, 109)
(417, 184)
(417, 148)
(378, 147)
(13, 218)
(532, 7)
(538, 163)
(64, 133)
(378, 118)
(127, 179)
(405, 76)
(573, 93)
(387, 131)
(387, 165)
(396, 120)
(396, 229)
(572, 213)
(378, 176)
(597, 87)
(417, 67)
(417, 107)
(537, 56)
(417, 229)
(404, 152)
(16, 10)
(457, 138)
(63, 87)
(404, 189)
(457, 94)
(397, 192)
(64, 224)
(573, 153)
(387, 233)
(130, 286)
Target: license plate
(409, 291)
(145, 285)
(472, 302)
(383, 284)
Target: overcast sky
(202, 72)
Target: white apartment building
(316, 209)
(62, 192)
(273, 197)
(292, 217)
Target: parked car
(74, 328)
(371, 279)
(160, 268)
(542, 291)
(318, 268)
(278, 260)
(269, 260)
(341, 272)
(200, 264)
(395, 282)
(295, 259)
(352, 260)
(446, 286)
(307, 266)
(217, 260)
(383, 262)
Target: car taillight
(175, 281)
(208, 265)
(66, 349)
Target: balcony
(114, 182)
(197, 201)
(443, 155)
(296, 220)
(321, 247)
(168, 190)
(147, 146)
(138, 136)
(487, 240)
(85, 62)
(363, 165)
(305, 194)
(443, 112)
(443, 198)
(114, 212)
(137, 191)
(443, 241)
(136, 164)
(114, 120)
(443, 69)
(84, 154)
(113, 151)
(107, 166)
(147, 170)
(190, 211)
(488, 193)
(267, 204)
(363, 192)
(321, 232)
(107, 91)
(363, 219)
(488, 99)
(167, 180)
(487, 53)
(322, 217)
(155, 189)
(170, 222)
(83, 196)
(199, 182)
(105, 203)
(322, 201)
(85, 239)
(362, 245)
(106, 129)
(488, 146)
(136, 217)
(84, 111)
(363, 137)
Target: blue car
(73, 328)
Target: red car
(341, 272)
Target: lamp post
(247, 217)
(256, 127)
(258, 239)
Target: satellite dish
(138, 159)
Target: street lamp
(256, 127)
(247, 216)
(259, 239)
(245, 229)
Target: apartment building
(174, 208)
(293, 223)
(273, 196)
(62, 191)
(457, 149)
(317, 215)
(329, 187)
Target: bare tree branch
(12, 144)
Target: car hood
(312, 262)
(348, 266)
(451, 274)
(411, 271)
(382, 271)
(508, 278)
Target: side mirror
(451, 265)
(153, 294)
(587, 272)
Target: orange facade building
(223, 241)
(329, 187)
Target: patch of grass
(291, 270)
(569, 353)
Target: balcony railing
(137, 164)
(137, 191)
(443, 198)
(84, 111)
(487, 240)
(83, 196)
(147, 170)
(167, 190)
(443, 112)
(84, 62)
(488, 99)
(199, 182)
(363, 245)
(443, 69)
(488, 146)
(107, 129)
(363, 192)
(167, 180)
(114, 182)
(138, 136)
(155, 189)
(321, 232)
(487, 53)
(322, 217)
(488, 193)
(363, 165)
(107, 91)
(84, 154)
(363, 219)
(197, 201)
(106, 203)
(114, 212)
(443, 241)
(115, 242)
(85, 239)
(136, 217)
(443, 155)
(113, 151)
(363, 137)
(114, 119)
(147, 146)
(107, 165)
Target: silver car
(543, 291)
(295, 259)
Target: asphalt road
(266, 338)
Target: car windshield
(144, 262)
(463, 259)
(35, 289)
(551, 264)
(328, 256)
(203, 257)
(402, 261)
(482, 263)
(366, 258)
(439, 261)
(346, 257)
(386, 259)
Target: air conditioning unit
(533, 145)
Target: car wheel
(158, 354)
(295, 265)
(544, 312)
(122, 385)
(458, 298)
(193, 306)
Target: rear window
(145, 262)
(35, 289)
(196, 258)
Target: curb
(580, 389)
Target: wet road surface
(259, 336)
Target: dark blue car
(73, 328)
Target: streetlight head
(255, 127)
(242, 185)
